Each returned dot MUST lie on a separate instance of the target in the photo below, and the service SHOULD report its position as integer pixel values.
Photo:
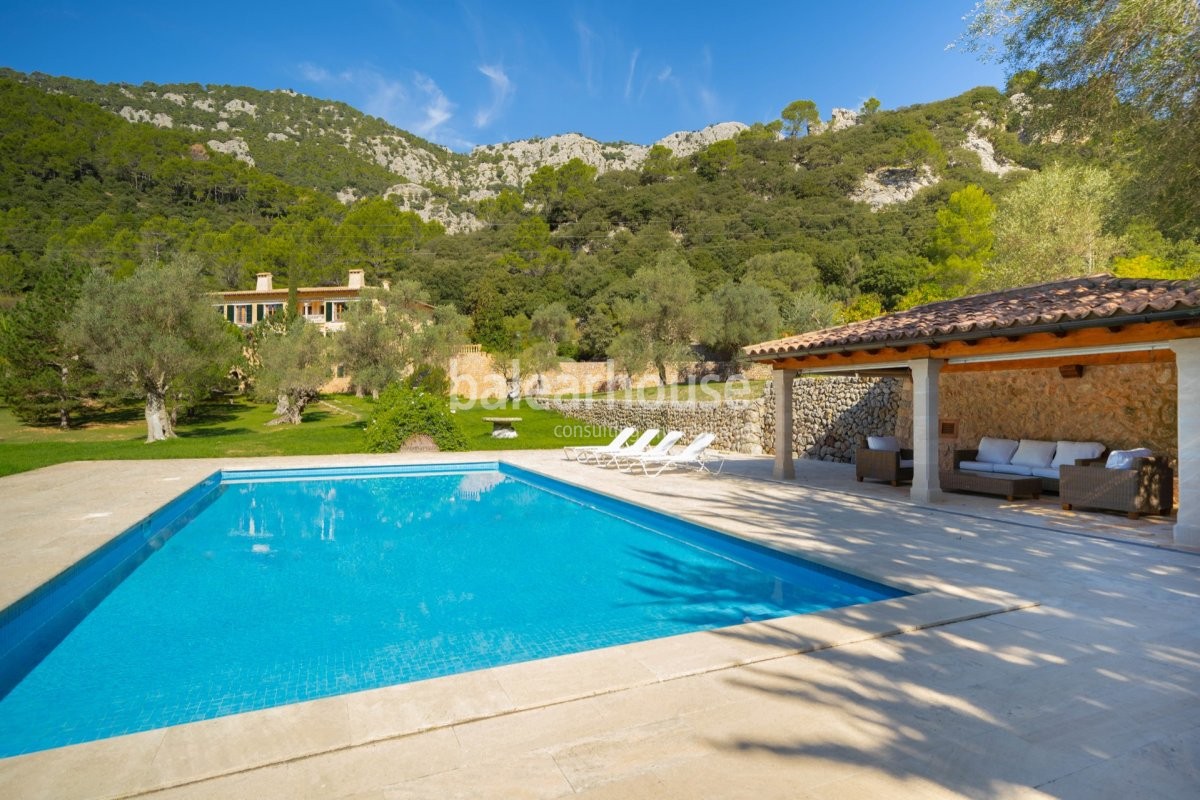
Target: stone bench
(502, 427)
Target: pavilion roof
(1075, 303)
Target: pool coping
(190, 753)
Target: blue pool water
(265, 588)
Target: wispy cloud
(314, 73)
(632, 68)
(586, 55)
(502, 90)
(437, 109)
(709, 102)
(417, 104)
(664, 77)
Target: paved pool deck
(1046, 654)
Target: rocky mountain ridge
(278, 130)
(334, 148)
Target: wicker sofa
(1146, 487)
(1027, 457)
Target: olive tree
(155, 334)
(738, 314)
(1052, 227)
(661, 319)
(293, 364)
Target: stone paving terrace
(1040, 660)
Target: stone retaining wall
(736, 423)
(832, 416)
(1122, 406)
(475, 376)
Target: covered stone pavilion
(1069, 325)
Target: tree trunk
(662, 373)
(158, 421)
(289, 409)
(64, 413)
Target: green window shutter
(258, 313)
(229, 312)
(328, 311)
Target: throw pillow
(1070, 452)
(1123, 459)
(1034, 453)
(996, 451)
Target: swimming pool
(257, 589)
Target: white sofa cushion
(1034, 453)
(1013, 469)
(1046, 472)
(888, 443)
(1070, 452)
(977, 466)
(1123, 459)
(996, 451)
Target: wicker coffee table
(1007, 486)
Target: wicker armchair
(1146, 488)
(883, 465)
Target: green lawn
(237, 428)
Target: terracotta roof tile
(1098, 297)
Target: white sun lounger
(639, 446)
(622, 459)
(577, 451)
(694, 455)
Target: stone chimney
(264, 282)
(356, 279)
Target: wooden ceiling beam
(1099, 359)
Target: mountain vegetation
(631, 252)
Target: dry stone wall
(737, 424)
(475, 376)
(1121, 406)
(832, 416)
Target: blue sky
(467, 73)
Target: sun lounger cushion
(888, 443)
(1123, 459)
(996, 451)
(1070, 452)
(1046, 472)
(977, 466)
(1034, 453)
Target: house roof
(1094, 301)
(268, 294)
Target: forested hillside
(896, 207)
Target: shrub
(403, 412)
(430, 379)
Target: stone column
(1187, 372)
(783, 381)
(926, 488)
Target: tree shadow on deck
(1107, 668)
